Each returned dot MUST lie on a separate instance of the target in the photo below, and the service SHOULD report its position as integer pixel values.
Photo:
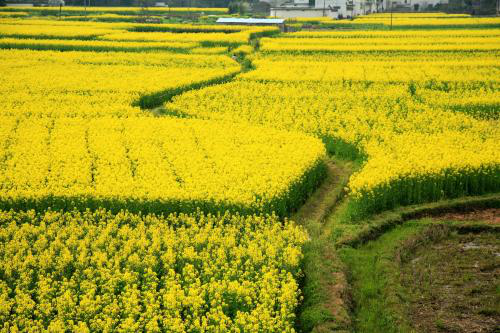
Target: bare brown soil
(454, 284)
(491, 216)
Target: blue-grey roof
(249, 20)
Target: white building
(344, 8)
(414, 5)
(323, 8)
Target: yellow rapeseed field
(120, 211)
(95, 271)
(188, 33)
(442, 66)
(407, 112)
(156, 165)
(209, 38)
(494, 22)
(369, 41)
(52, 31)
(92, 45)
(77, 146)
(408, 35)
(400, 21)
(98, 83)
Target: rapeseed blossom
(423, 119)
(95, 271)
(158, 165)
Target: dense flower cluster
(357, 67)
(159, 165)
(216, 37)
(426, 20)
(73, 139)
(40, 21)
(402, 21)
(99, 272)
(51, 31)
(213, 38)
(13, 14)
(440, 40)
(137, 162)
(205, 35)
(98, 83)
(204, 28)
(420, 108)
(389, 35)
(407, 113)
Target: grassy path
(323, 308)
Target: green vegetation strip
(355, 233)
(92, 48)
(157, 99)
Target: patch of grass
(91, 48)
(349, 232)
(373, 276)
(157, 99)
(426, 276)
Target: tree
(240, 7)
(233, 7)
(487, 7)
(2, 3)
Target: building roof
(249, 20)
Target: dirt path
(490, 216)
(453, 284)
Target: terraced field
(204, 178)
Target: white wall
(323, 8)
(274, 3)
(359, 9)
(423, 4)
(300, 12)
(326, 3)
